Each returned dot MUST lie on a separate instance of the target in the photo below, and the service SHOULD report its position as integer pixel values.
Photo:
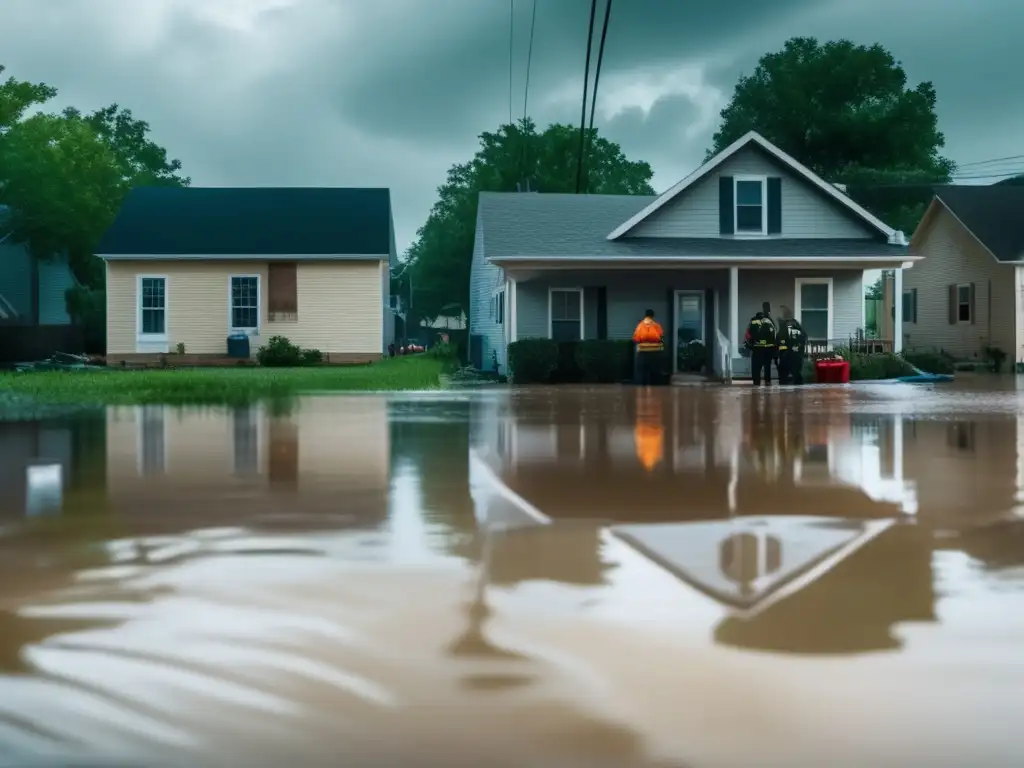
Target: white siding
(483, 280)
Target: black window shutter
(726, 206)
(774, 205)
(913, 304)
(602, 313)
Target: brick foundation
(173, 360)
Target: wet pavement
(581, 577)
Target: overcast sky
(392, 92)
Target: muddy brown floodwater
(568, 577)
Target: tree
(65, 175)
(845, 111)
(514, 157)
(874, 291)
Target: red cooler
(832, 372)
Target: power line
(511, 28)
(597, 72)
(586, 82)
(529, 58)
(990, 161)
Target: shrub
(87, 307)
(695, 357)
(279, 352)
(447, 353)
(878, 366)
(605, 362)
(930, 362)
(532, 361)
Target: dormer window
(751, 195)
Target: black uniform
(760, 340)
(791, 345)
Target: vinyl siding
(340, 305)
(55, 279)
(483, 280)
(806, 212)
(952, 256)
(16, 278)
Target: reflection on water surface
(566, 577)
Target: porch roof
(555, 227)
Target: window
(750, 205)
(153, 306)
(814, 307)
(282, 292)
(565, 314)
(498, 306)
(963, 303)
(910, 305)
(960, 436)
(245, 303)
(246, 441)
(152, 446)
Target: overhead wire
(586, 82)
(597, 74)
(511, 39)
(526, 96)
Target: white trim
(793, 164)
(152, 342)
(897, 316)
(734, 311)
(259, 304)
(499, 306)
(258, 420)
(554, 289)
(799, 283)
(243, 256)
(763, 181)
(958, 303)
(675, 323)
(141, 412)
(512, 314)
(825, 262)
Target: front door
(689, 326)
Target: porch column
(897, 311)
(512, 318)
(734, 310)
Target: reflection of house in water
(800, 584)
(328, 457)
(967, 472)
(576, 454)
(75, 445)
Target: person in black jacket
(791, 345)
(760, 339)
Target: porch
(706, 305)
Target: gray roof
(994, 214)
(533, 224)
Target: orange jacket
(648, 332)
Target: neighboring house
(32, 291)
(194, 265)
(750, 225)
(966, 294)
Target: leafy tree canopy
(64, 175)
(846, 112)
(441, 255)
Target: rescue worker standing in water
(650, 343)
(791, 344)
(760, 340)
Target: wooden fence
(26, 343)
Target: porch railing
(722, 351)
(818, 347)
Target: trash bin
(832, 372)
(238, 345)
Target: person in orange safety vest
(650, 342)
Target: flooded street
(685, 576)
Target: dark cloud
(392, 92)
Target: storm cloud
(392, 92)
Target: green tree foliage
(65, 174)
(846, 112)
(515, 156)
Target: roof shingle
(216, 221)
(994, 214)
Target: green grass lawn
(212, 386)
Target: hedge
(608, 361)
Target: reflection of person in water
(649, 432)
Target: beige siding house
(187, 268)
(965, 295)
(751, 225)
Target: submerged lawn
(212, 386)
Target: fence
(25, 343)
(860, 346)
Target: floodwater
(577, 577)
